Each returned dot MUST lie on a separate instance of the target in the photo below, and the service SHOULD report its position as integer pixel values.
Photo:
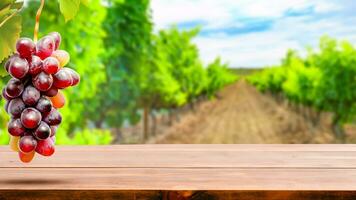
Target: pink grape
(62, 56)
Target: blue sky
(254, 33)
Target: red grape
(45, 147)
(75, 76)
(45, 47)
(28, 132)
(30, 118)
(42, 81)
(53, 117)
(15, 127)
(7, 65)
(56, 38)
(31, 95)
(35, 65)
(16, 106)
(27, 144)
(8, 62)
(25, 47)
(50, 65)
(44, 105)
(53, 130)
(14, 88)
(26, 157)
(6, 106)
(42, 132)
(18, 67)
(7, 97)
(53, 138)
(62, 79)
(53, 91)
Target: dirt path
(243, 115)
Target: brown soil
(241, 114)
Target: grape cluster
(33, 94)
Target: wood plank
(192, 156)
(227, 172)
(178, 179)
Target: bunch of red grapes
(33, 94)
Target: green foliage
(219, 75)
(10, 22)
(128, 28)
(10, 28)
(325, 79)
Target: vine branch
(37, 24)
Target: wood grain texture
(157, 156)
(165, 171)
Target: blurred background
(205, 71)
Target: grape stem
(37, 24)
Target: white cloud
(255, 49)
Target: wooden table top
(185, 167)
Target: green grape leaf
(69, 8)
(2, 70)
(5, 3)
(9, 33)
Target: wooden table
(241, 172)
